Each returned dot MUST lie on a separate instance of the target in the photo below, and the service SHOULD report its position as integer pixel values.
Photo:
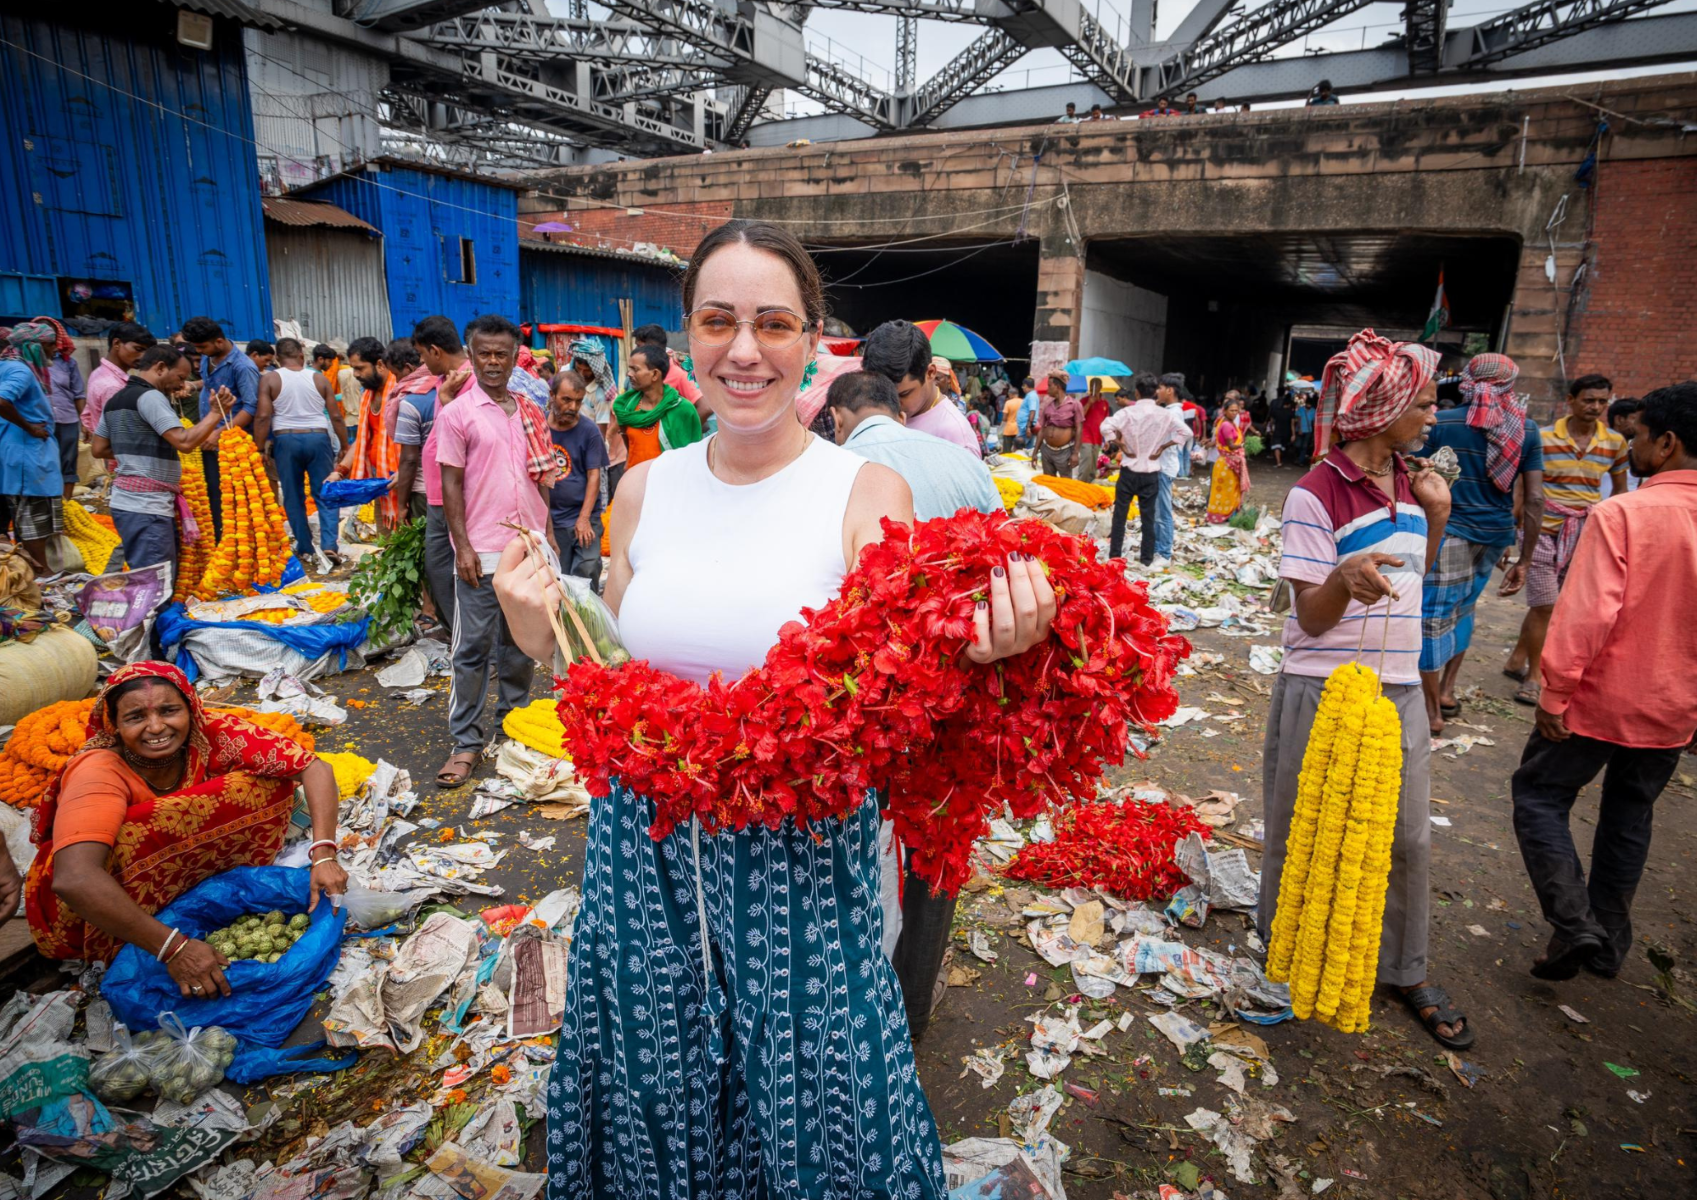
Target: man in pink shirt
(124, 343)
(1140, 433)
(1619, 694)
(901, 353)
(482, 452)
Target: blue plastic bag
(351, 493)
(267, 1000)
(309, 641)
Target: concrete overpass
(1202, 243)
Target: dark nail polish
(983, 604)
(998, 572)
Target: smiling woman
(161, 796)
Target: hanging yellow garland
(1325, 933)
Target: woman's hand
(527, 592)
(11, 884)
(327, 879)
(198, 971)
(1018, 614)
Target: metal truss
(1102, 60)
(1537, 24)
(745, 107)
(907, 55)
(1248, 38)
(971, 12)
(989, 54)
(1423, 22)
(550, 39)
(418, 128)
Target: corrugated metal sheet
(234, 9)
(330, 280)
(307, 214)
(129, 158)
(576, 289)
(424, 216)
(314, 105)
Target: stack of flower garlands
(93, 540)
(44, 741)
(255, 545)
(1123, 847)
(873, 691)
(193, 557)
(1325, 935)
(537, 725)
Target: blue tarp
(351, 493)
(309, 641)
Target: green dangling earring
(807, 375)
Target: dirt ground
(1380, 1114)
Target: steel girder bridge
(509, 86)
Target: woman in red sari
(162, 796)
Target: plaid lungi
(1453, 586)
(32, 518)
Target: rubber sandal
(458, 769)
(1445, 1014)
(1449, 712)
(1527, 695)
(1562, 960)
(1517, 676)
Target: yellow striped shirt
(1573, 475)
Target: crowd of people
(711, 490)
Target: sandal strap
(1434, 997)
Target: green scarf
(680, 425)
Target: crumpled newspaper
(386, 1007)
(1222, 879)
(1003, 1167)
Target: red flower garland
(1125, 848)
(873, 691)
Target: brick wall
(1635, 320)
(677, 229)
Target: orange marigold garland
(46, 739)
(193, 557)
(255, 545)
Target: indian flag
(1440, 314)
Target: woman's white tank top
(299, 407)
(719, 568)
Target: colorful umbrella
(1081, 383)
(1098, 366)
(957, 343)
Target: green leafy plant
(1245, 517)
(387, 584)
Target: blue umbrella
(1098, 366)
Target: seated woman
(162, 796)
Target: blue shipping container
(128, 167)
(450, 243)
(566, 288)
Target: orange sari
(231, 810)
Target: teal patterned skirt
(784, 1072)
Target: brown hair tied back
(772, 239)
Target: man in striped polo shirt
(1360, 531)
(1579, 449)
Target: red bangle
(171, 957)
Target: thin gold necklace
(806, 440)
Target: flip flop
(457, 769)
(1446, 1014)
(1450, 711)
(1527, 695)
(1517, 676)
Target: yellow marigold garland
(255, 545)
(193, 557)
(537, 725)
(351, 770)
(93, 540)
(1010, 490)
(1325, 931)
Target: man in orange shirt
(1619, 694)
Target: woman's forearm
(89, 890)
(323, 802)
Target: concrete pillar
(1060, 293)
(1537, 322)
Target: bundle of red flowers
(873, 691)
(1125, 848)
